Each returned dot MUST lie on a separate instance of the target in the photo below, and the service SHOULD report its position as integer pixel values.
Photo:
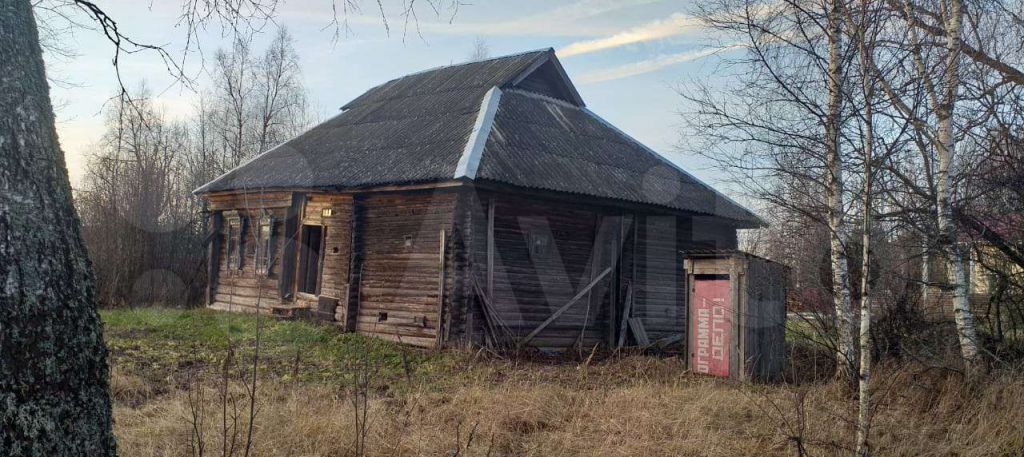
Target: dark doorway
(309, 258)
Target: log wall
(542, 258)
(334, 270)
(383, 260)
(400, 272)
(528, 287)
(243, 289)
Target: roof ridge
(471, 62)
(469, 162)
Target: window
(310, 256)
(232, 237)
(265, 246)
(236, 240)
(539, 242)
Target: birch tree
(941, 98)
(944, 105)
(864, 37)
(845, 358)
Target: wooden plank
(628, 307)
(440, 286)
(564, 307)
(636, 325)
(213, 256)
(286, 284)
(490, 247)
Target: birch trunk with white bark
(946, 149)
(54, 396)
(864, 380)
(845, 359)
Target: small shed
(737, 314)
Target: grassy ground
(181, 380)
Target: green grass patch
(160, 344)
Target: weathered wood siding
(660, 288)
(383, 260)
(529, 287)
(334, 271)
(531, 284)
(238, 290)
(400, 264)
(242, 289)
(763, 314)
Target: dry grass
(461, 404)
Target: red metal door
(710, 327)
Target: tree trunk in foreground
(845, 360)
(54, 396)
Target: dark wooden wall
(764, 318)
(529, 285)
(528, 288)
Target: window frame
(265, 252)
(234, 237)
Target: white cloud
(676, 24)
(649, 65)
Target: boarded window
(539, 243)
(265, 252)
(234, 249)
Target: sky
(628, 59)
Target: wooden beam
(490, 248)
(440, 286)
(628, 307)
(637, 327)
(213, 256)
(564, 307)
(289, 247)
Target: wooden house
(479, 203)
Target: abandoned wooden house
(479, 203)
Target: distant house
(479, 203)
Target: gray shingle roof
(427, 126)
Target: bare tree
(864, 34)
(481, 50)
(845, 359)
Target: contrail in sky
(676, 24)
(647, 66)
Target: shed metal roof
(505, 120)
